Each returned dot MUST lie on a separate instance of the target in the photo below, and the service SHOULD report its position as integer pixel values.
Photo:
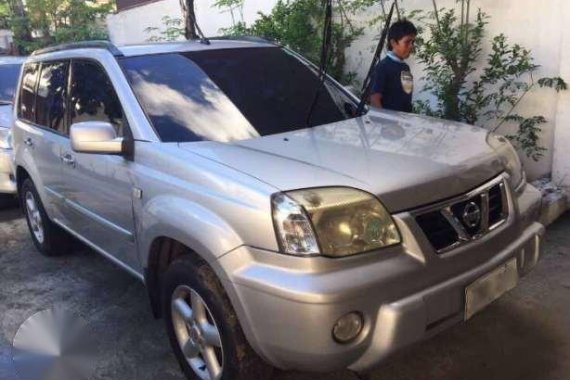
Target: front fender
(191, 224)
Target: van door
(98, 186)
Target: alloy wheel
(34, 216)
(197, 333)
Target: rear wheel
(203, 328)
(48, 238)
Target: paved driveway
(524, 335)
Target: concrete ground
(524, 335)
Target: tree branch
(515, 105)
(436, 13)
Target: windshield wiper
(368, 80)
(325, 48)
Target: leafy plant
(39, 23)
(173, 29)
(486, 95)
(231, 6)
(4, 16)
(298, 25)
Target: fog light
(348, 327)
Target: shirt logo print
(407, 80)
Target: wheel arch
(172, 226)
(21, 175)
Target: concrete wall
(561, 165)
(539, 26)
(128, 27)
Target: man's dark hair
(399, 30)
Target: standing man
(393, 82)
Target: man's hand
(376, 100)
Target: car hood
(405, 160)
(5, 116)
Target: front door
(98, 186)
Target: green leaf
(557, 83)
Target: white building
(539, 26)
(5, 39)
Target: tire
(48, 238)
(193, 282)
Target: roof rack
(246, 38)
(81, 45)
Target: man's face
(403, 47)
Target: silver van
(267, 237)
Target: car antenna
(368, 80)
(203, 39)
(325, 48)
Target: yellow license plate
(490, 287)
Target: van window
(51, 96)
(26, 106)
(93, 97)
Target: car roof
(183, 46)
(11, 60)
(155, 47)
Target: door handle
(28, 141)
(68, 159)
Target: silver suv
(267, 235)
(9, 73)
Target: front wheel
(203, 328)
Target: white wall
(128, 27)
(5, 38)
(561, 165)
(539, 26)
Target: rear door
(98, 187)
(41, 117)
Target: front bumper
(7, 178)
(401, 323)
(287, 306)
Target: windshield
(231, 94)
(8, 81)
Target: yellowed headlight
(347, 221)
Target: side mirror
(95, 137)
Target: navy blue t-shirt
(395, 82)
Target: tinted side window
(51, 95)
(27, 103)
(93, 97)
(9, 75)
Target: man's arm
(376, 100)
(378, 86)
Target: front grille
(450, 224)
(496, 212)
